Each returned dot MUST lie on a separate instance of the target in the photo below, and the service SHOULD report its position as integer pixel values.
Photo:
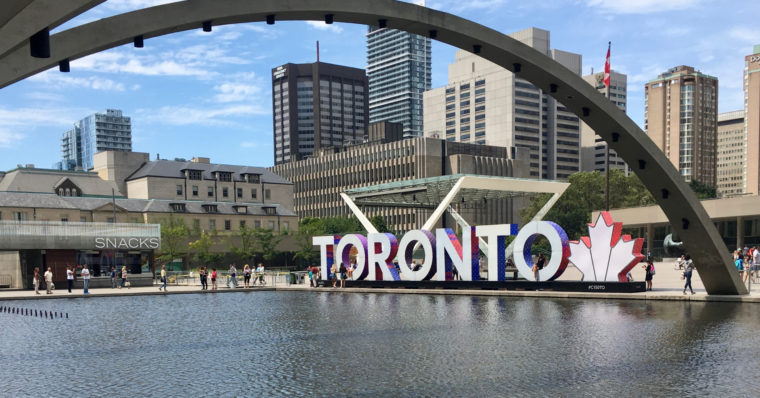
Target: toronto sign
(605, 255)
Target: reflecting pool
(340, 344)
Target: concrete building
(752, 119)
(681, 116)
(488, 105)
(593, 147)
(206, 196)
(317, 105)
(732, 154)
(103, 131)
(399, 71)
(320, 179)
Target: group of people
(71, 276)
(232, 281)
(745, 259)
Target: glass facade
(398, 68)
(106, 131)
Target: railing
(271, 278)
(76, 229)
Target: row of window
(225, 192)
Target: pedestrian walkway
(667, 285)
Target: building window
(82, 219)
(178, 207)
(195, 190)
(111, 220)
(267, 194)
(64, 219)
(254, 193)
(194, 174)
(197, 224)
(224, 176)
(210, 208)
(271, 225)
(210, 192)
(227, 225)
(285, 226)
(179, 190)
(242, 224)
(240, 193)
(20, 216)
(225, 192)
(270, 211)
(257, 224)
(254, 178)
(212, 224)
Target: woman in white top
(36, 280)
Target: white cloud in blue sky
(209, 94)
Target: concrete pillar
(650, 238)
(740, 232)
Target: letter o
(406, 250)
(560, 250)
(343, 253)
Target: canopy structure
(441, 192)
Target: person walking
(649, 269)
(163, 279)
(213, 278)
(113, 277)
(260, 274)
(86, 279)
(69, 277)
(36, 280)
(311, 275)
(247, 276)
(49, 280)
(688, 268)
(124, 277)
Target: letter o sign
(560, 250)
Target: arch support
(686, 214)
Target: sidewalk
(667, 285)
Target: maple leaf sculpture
(606, 255)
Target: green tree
(308, 227)
(703, 191)
(202, 248)
(173, 235)
(266, 243)
(585, 195)
(379, 223)
(246, 249)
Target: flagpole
(607, 186)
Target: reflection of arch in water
(678, 202)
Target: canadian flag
(607, 66)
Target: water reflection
(337, 344)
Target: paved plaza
(667, 285)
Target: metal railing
(271, 278)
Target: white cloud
(57, 80)
(203, 116)
(9, 139)
(323, 26)
(240, 87)
(249, 144)
(640, 6)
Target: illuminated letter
(406, 249)
(450, 253)
(497, 247)
(382, 250)
(325, 244)
(559, 245)
(344, 252)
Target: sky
(209, 94)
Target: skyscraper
(487, 104)
(398, 68)
(681, 115)
(317, 105)
(731, 160)
(103, 131)
(594, 148)
(752, 119)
